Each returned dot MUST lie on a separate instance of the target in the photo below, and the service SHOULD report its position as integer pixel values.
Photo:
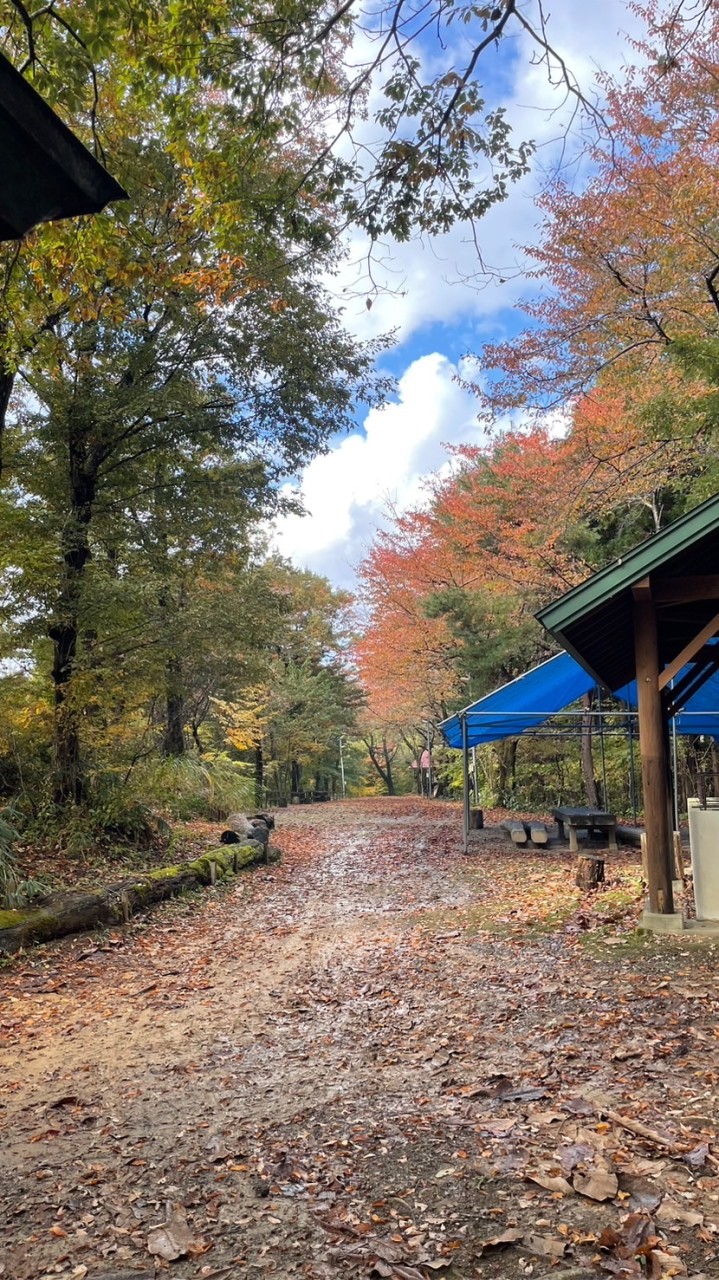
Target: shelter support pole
(652, 739)
(465, 785)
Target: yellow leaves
(243, 723)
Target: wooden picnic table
(593, 819)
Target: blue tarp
(531, 699)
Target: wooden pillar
(655, 774)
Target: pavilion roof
(47, 173)
(594, 621)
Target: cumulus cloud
(346, 492)
(421, 277)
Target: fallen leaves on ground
(376, 1058)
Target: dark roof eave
(47, 171)
(628, 570)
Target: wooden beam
(689, 651)
(684, 590)
(655, 773)
(642, 590)
(690, 684)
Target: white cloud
(422, 277)
(347, 491)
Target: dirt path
(377, 1055)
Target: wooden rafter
(685, 590)
(689, 651)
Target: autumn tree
(166, 363)
(626, 265)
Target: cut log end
(516, 831)
(590, 872)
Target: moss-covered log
(65, 913)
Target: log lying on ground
(65, 913)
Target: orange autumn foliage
(624, 265)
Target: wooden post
(655, 775)
(643, 843)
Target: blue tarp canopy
(531, 699)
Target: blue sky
(438, 318)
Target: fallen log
(65, 913)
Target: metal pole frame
(675, 769)
(465, 785)
(632, 778)
(605, 797)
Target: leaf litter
(377, 1058)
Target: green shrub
(8, 863)
(187, 787)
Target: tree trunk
(505, 753)
(295, 777)
(65, 913)
(377, 756)
(259, 773)
(173, 741)
(590, 871)
(587, 754)
(714, 754)
(388, 766)
(70, 784)
(7, 381)
(69, 779)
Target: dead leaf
(697, 1157)
(216, 1149)
(545, 1117)
(596, 1185)
(629, 1051)
(497, 1127)
(665, 1264)
(549, 1182)
(545, 1246)
(511, 1236)
(670, 1211)
(173, 1239)
(579, 1107)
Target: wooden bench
(516, 831)
(575, 819)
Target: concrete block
(656, 922)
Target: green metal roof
(594, 621)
